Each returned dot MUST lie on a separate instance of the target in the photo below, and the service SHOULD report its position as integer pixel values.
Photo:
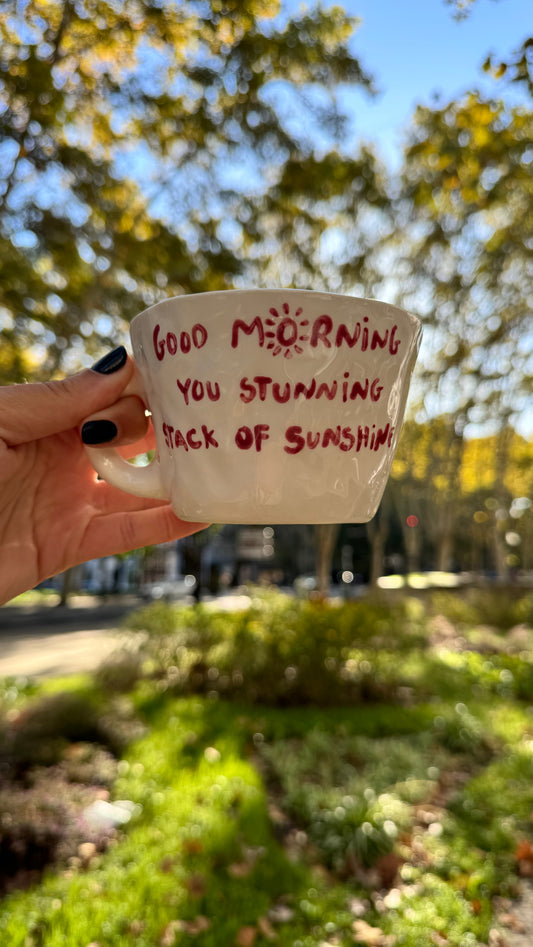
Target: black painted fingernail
(98, 432)
(111, 362)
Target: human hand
(54, 513)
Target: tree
(461, 8)
(152, 148)
(465, 214)
(496, 482)
(424, 484)
(377, 531)
(475, 505)
(326, 536)
(469, 197)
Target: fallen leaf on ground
(196, 886)
(358, 907)
(198, 925)
(440, 940)
(392, 899)
(246, 936)
(371, 936)
(192, 846)
(240, 869)
(266, 929)
(171, 930)
(280, 914)
(524, 849)
(388, 867)
(511, 921)
(169, 933)
(277, 816)
(86, 851)
(524, 858)
(211, 754)
(496, 939)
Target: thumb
(29, 412)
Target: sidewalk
(46, 641)
(48, 655)
(38, 639)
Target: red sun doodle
(286, 331)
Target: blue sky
(415, 48)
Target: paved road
(48, 641)
(43, 641)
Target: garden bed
(385, 801)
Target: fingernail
(98, 432)
(111, 362)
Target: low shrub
(120, 672)
(459, 731)
(39, 733)
(468, 672)
(495, 806)
(283, 651)
(498, 608)
(41, 822)
(456, 606)
(57, 757)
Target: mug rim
(256, 291)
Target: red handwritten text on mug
(288, 336)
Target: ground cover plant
(297, 774)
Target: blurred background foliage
(149, 149)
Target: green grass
(203, 810)
(254, 820)
(35, 597)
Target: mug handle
(110, 466)
(140, 481)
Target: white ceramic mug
(269, 405)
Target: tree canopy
(152, 148)
(467, 200)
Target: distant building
(219, 558)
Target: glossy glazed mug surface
(269, 405)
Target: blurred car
(304, 584)
(169, 590)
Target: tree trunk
(445, 552)
(377, 531)
(412, 543)
(326, 537)
(67, 585)
(503, 445)
(500, 552)
(377, 557)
